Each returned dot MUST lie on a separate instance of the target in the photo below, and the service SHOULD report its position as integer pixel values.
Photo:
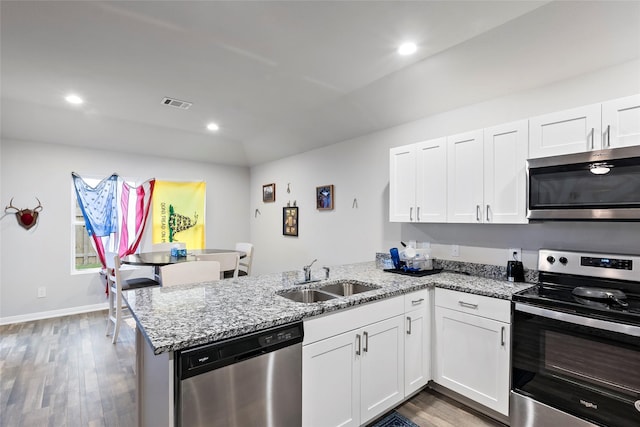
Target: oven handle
(579, 320)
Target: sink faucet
(307, 271)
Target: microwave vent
(176, 103)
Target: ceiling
(280, 77)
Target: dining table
(160, 258)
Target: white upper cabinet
(486, 175)
(612, 124)
(417, 182)
(480, 176)
(505, 155)
(621, 122)
(431, 180)
(402, 183)
(565, 132)
(464, 177)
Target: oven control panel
(621, 264)
(612, 266)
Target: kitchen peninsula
(177, 318)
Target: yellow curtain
(178, 213)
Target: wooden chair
(245, 263)
(189, 272)
(229, 262)
(116, 286)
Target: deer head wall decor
(26, 217)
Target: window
(84, 256)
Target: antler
(39, 207)
(11, 206)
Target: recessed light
(407, 48)
(213, 127)
(74, 99)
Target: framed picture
(324, 197)
(269, 193)
(290, 221)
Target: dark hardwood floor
(65, 372)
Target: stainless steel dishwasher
(252, 380)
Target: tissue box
(176, 252)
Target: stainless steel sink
(307, 295)
(328, 291)
(347, 287)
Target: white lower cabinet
(381, 367)
(417, 343)
(472, 347)
(353, 377)
(359, 363)
(331, 382)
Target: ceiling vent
(172, 102)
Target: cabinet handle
(488, 213)
(468, 304)
(591, 136)
(607, 142)
(478, 213)
(358, 346)
(365, 347)
(417, 301)
(418, 213)
(502, 342)
(411, 213)
(408, 325)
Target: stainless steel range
(576, 343)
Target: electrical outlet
(42, 292)
(514, 254)
(455, 250)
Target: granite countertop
(180, 317)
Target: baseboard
(53, 313)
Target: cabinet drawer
(479, 305)
(416, 300)
(337, 322)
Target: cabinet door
(431, 184)
(417, 357)
(472, 357)
(505, 164)
(464, 177)
(621, 122)
(331, 382)
(564, 132)
(382, 367)
(402, 183)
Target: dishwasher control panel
(197, 360)
(278, 337)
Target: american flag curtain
(115, 213)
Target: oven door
(589, 368)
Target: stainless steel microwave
(599, 185)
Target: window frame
(91, 180)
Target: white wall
(359, 168)
(42, 256)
